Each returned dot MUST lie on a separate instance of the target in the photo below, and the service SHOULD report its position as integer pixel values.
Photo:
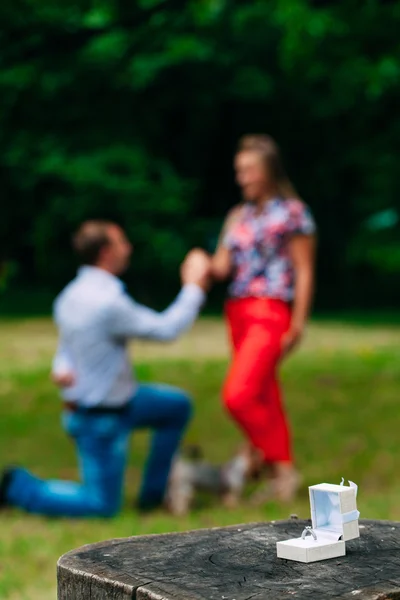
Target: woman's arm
(221, 264)
(302, 252)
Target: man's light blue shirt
(96, 318)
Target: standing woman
(267, 249)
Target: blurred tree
(132, 110)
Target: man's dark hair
(90, 238)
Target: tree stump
(231, 563)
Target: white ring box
(334, 517)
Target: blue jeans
(102, 445)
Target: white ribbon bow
(353, 515)
(352, 485)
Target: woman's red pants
(251, 391)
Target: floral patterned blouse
(259, 246)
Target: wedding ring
(308, 530)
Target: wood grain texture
(232, 563)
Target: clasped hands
(196, 269)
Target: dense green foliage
(131, 110)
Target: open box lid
(334, 510)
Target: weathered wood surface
(232, 563)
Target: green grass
(342, 394)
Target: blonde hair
(269, 151)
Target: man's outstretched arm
(130, 319)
